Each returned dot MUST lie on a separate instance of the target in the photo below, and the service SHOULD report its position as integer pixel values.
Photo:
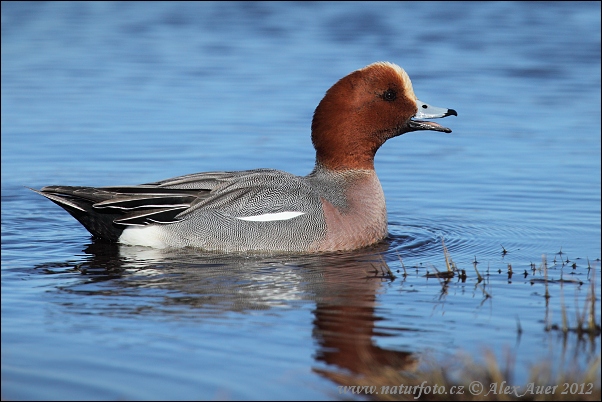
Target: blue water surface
(127, 93)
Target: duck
(338, 206)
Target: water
(127, 93)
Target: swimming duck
(340, 205)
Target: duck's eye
(425, 106)
(390, 95)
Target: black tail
(107, 211)
(79, 203)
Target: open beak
(426, 111)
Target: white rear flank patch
(278, 216)
(149, 236)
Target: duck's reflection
(344, 324)
(343, 286)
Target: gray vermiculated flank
(201, 210)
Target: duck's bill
(426, 111)
(416, 125)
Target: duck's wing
(106, 211)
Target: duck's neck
(343, 141)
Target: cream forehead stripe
(407, 83)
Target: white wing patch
(279, 216)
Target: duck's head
(363, 110)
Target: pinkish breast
(362, 223)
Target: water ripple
(467, 240)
